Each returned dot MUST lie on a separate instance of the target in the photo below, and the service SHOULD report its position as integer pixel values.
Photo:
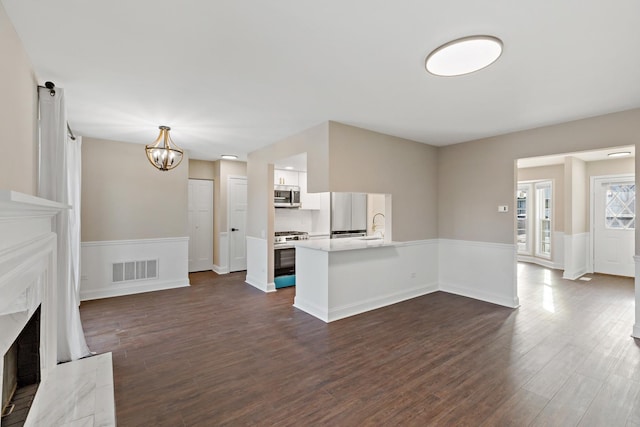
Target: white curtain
(59, 180)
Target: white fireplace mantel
(75, 393)
(28, 271)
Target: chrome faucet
(373, 221)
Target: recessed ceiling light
(229, 157)
(464, 56)
(289, 167)
(620, 154)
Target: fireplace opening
(21, 373)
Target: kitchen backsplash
(300, 220)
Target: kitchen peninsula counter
(345, 244)
(338, 278)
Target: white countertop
(346, 244)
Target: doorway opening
(561, 212)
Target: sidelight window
(543, 218)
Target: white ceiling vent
(134, 270)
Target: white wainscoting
(340, 284)
(223, 258)
(257, 264)
(636, 325)
(557, 254)
(97, 259)
(576, 255)
(480, 270)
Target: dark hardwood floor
(223, 353)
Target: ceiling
(230, 76)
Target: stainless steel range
(284, 263)
(284, 238)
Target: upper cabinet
(309, 201)
(285, 177)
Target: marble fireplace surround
(70, 393)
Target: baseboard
(309, 308)
(540, 261)
(133, 288)
(480, 295)
(258, 284)
(361, 307)
(574, 275)
(338, 313)
(220, 270)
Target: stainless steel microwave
(286, 196)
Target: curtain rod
(52, 92)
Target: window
(543, 218)
(522, 218)
(620, 209)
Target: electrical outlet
(412, 275)
(503, 208)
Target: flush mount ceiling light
(229, 156)
(464, 56)
(620, 154)
(163, 154)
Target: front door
(614, 225)
(237, 224)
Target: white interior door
(614, 226)
(200, 225)
(237, 196)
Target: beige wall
(202, 169)
(575, 172)
(475, 177)
(611, 167)
(361, 160)
(554, 173)
(124, 197)
(315, 143)
(18, 112)
(346, 158)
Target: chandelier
(164, 154)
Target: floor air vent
(135, 270)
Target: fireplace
(27, 288)
(21, 373)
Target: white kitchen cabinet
(285, 177)
(308, 201)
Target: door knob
(235, 229)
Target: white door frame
(592, 211)
(229, 178)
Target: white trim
(576, 254)
(257, 264)
(475, 243)
(539, 261)
(592, 210)
(219, 269)
(135, 242)
(369, 304)
(223, 255)
(636, 326)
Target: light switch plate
(503, 208)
